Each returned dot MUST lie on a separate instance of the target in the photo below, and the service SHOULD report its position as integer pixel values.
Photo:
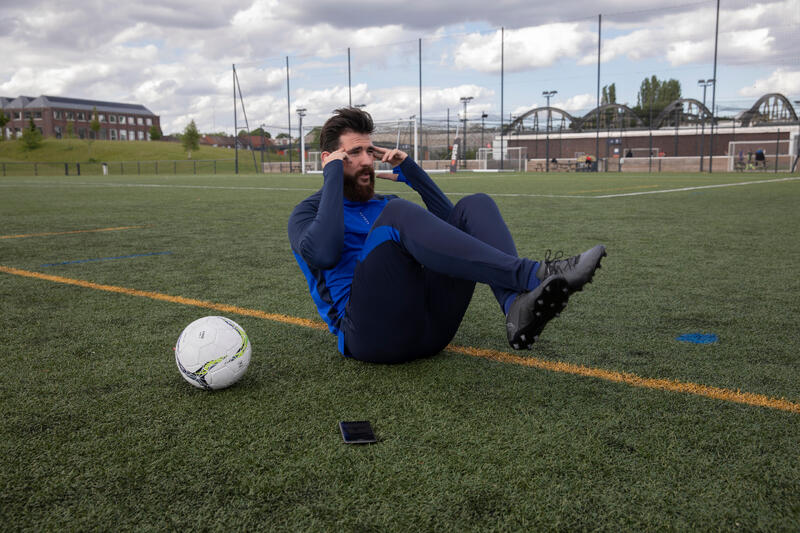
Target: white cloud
(782, 81)
(525, 48)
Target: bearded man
(392, 279)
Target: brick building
(53, 115)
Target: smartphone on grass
(357, 432)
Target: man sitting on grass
(393, 280)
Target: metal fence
(124, 168)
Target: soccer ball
(213, 352)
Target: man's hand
(338, 155)
(394, 156)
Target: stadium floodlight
(465, 100)
(704, 84)
(301, 112)
(548, 95)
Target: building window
(57, 114)
(122, 119)
(131, 135)
(141, 135)
(37, 115)
(17, 115)
(82, 133)
(149, 121)
(81, 115)
(101, 117)
(57, 130)
(70, 115)
(123, 135)
(27, 114)
(112, 134)
(112, 118)
(140, 121)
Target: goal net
(401, 133)
(313, 161)
(749, 156)
(515, 158)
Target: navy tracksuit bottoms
(417, 273)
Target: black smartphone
(357, 432)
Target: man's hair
(344, 120)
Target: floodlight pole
(713, 94)
(235, 126)
(416, 137)
(483, 116)
(301, 112)
(349, 83)
(289, 109)
(704, 84)
(548, 95)
(465, 100)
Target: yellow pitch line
(717, 393)
(68, 232)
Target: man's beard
(355, 192)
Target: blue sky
(175, 56)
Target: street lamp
(704, 84)
(465, 100)
(301, 112)
(548, 95)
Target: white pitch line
(640, 193)
(290, 189)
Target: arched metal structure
(611, 116)
(772, 108)
(560, 120)
(682, 112)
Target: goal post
(744, 156)
(515, 159)
(402, 133)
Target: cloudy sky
(175, 56)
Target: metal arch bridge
(772, 108)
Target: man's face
(359, 172)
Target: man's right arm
(316, 226)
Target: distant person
(761, 159)
(629, 153)
(393, 279)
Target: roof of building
(80, 104)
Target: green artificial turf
(100, 431)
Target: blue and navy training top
(327, 233)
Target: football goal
(515, 159)
(748, 156)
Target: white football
(213, 352)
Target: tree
(260, 132)
(190, 139)
(609, 97)
(3, 121)
(155, 133)
(654, 95)
(609, 94)
(31, 137)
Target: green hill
(78, 151)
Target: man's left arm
(435, 200)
